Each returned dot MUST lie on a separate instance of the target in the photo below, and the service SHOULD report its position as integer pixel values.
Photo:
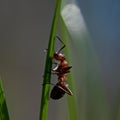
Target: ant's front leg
(54, 72)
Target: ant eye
(55, 55)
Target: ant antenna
(62, 43)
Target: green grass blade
(118, 115)
(72, 110)
(91, 103)
(48, 65)
(3, 107)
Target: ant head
(59, 56)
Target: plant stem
(48, 65)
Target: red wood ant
(61, 69)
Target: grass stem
(48, 65)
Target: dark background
(24, 33)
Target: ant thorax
(64, 63)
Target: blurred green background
(25, 27)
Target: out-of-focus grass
(89, 92)
(118, 110)
(72, 99)
(3, 107)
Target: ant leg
(54, 69)
(55, 65)
(54, 72)
(62, 43)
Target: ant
(61, 69)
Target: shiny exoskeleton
(61, 70)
